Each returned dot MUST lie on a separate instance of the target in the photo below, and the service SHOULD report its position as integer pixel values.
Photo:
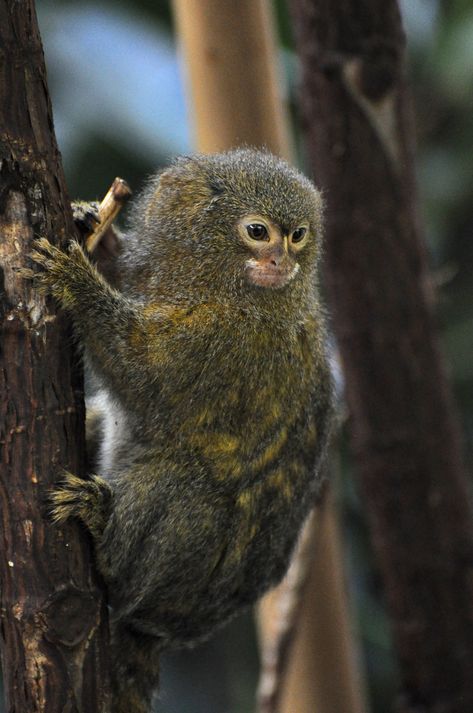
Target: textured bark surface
(53, 632)
(356, 113)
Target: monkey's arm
(114, 329)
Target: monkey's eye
(257, 231)
(298, 234)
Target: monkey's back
(222, 473)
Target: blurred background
(115, 78)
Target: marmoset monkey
(216, 395)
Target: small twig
(279, 619)
(118, 194)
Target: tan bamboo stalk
(232, 78)
(322, 675)
(230, 59)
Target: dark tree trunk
(53, 618)
(356, 111)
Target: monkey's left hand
(63, 273)
(113, 328)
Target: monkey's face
(273, 250)
(243, 225)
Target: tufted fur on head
(188, 215)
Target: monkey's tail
(134, 669)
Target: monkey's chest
(231, 544)
(269, 471)
(242, 561)
(267, 518)
(271, 498)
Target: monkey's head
(240, 223)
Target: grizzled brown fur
(216, 400)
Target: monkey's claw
(53, 262)
(59, 269)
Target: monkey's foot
(89, 500)
(86, 215)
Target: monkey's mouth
(268, 275)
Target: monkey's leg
(135, 669)
(89, 500)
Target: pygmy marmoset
(209, 349)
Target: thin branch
(117, 195)
(279, 617)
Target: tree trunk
(356, 112)
(54, 624)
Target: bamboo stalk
(322, 675)
(230, 64)
(278, 618)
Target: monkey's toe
(86, 216)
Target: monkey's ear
(216, 186)
(193, 170)
(183, 189)
(186, 171)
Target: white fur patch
(115, 431)
(253, 264)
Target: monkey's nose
(276, 258)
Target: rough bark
(53, 632)
(356, 113)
